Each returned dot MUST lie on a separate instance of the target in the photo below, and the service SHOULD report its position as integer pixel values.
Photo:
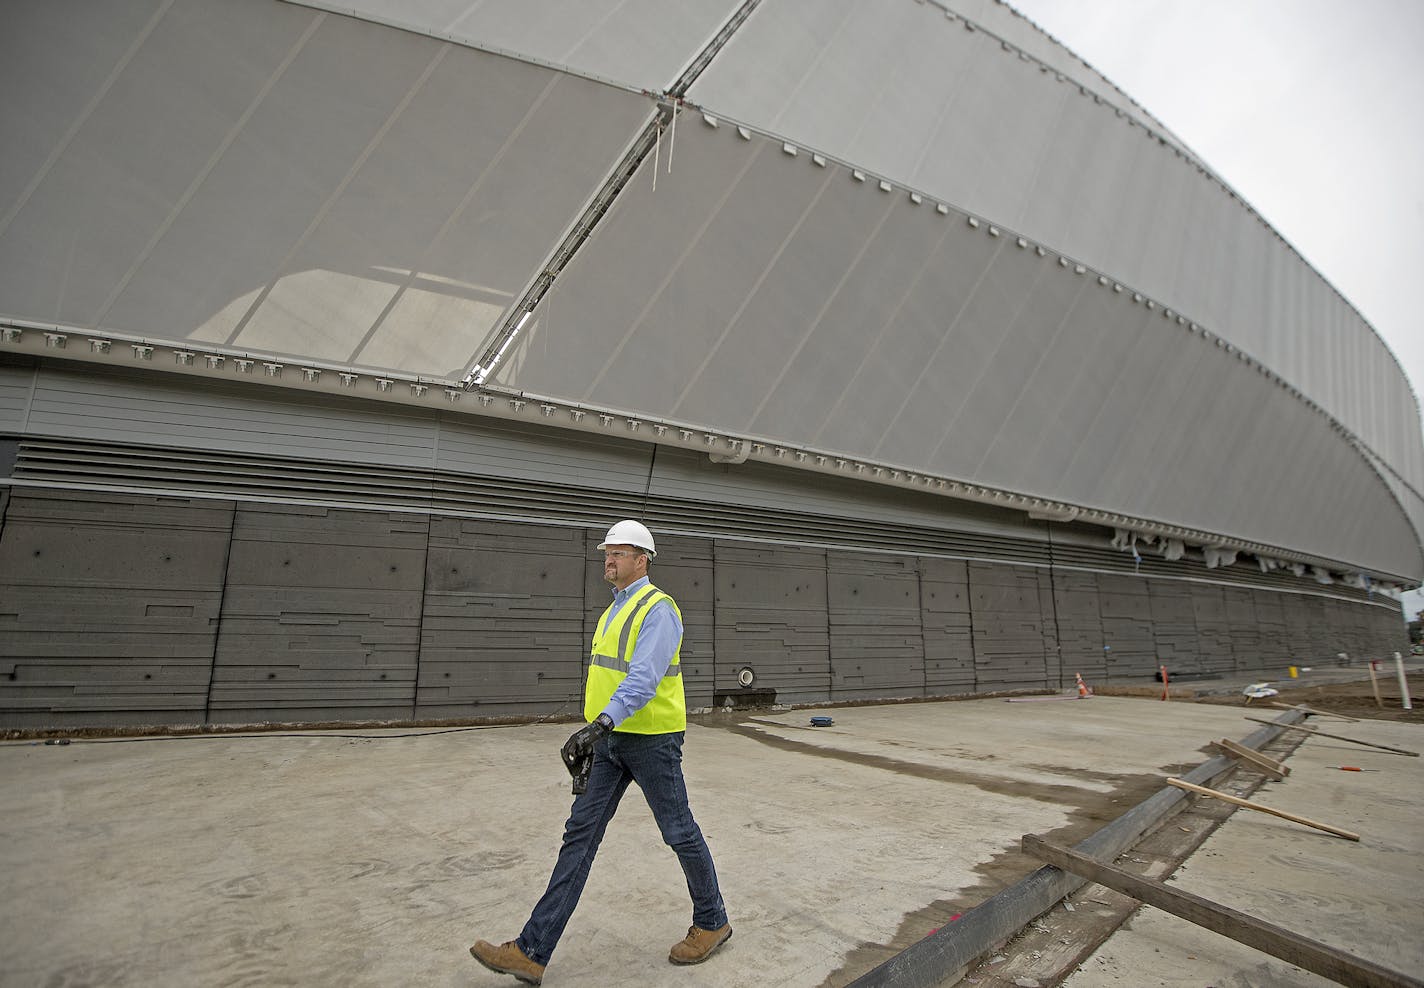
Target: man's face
(622, 564)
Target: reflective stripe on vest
(618, 665)
(640, 604)
(666, 711)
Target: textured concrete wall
(109, 607)
(321, 614)
(133, 609)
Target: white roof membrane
(779, 299)
(644, 44)
(904, 92)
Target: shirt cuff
(616, 712)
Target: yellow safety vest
(613, 643)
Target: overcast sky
(1312, 110)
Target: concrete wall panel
(772, 618)
(947, 626)
(502, 627)
(321, 615)
(1011, 644)
(109, 608)
(876, 640)
(1129, 644)
(1174, 625)
(1077, 610)
(143, 610)
(1242, 630)
(1214, 638)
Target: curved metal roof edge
(1132, 104)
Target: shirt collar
(630, 589)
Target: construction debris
(1257, 760)
(1216, 794)
(1336, 737)
(1303, 708)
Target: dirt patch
(1352, 699)
(1355, 699)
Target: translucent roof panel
(285, 180)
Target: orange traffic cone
(1083, 690)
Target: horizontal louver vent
(157, 470)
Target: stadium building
(332, 339)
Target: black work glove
(580, 773)
(577, 751)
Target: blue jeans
(654, 761)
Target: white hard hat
(630, 532)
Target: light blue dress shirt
(652, 654)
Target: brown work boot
(507, 958)
(698, 945)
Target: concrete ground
(327, 860)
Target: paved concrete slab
(322, 860)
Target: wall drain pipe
(947, 954)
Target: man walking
(637, 715)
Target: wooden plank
(1215, 794)
(1268, 765)
(1312, 711)
(1322, 959)
(1336, 737)
(1374, 681)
